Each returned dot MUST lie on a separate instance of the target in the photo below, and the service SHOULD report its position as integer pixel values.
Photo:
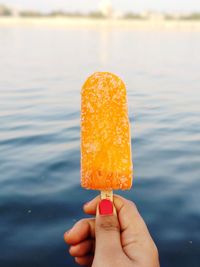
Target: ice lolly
(106, 162)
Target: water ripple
(40, 194)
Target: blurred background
(47, 49)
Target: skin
(120, 239)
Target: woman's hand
(117, 237)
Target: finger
(82, 249)
(82, 230)
(107, 230)
(85, 261)
(91, 206)
(135, 237)
(129, 216)
(134, 232)
(126, 209)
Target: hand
(119, 238)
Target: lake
(41, 73)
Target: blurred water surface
(41, 73)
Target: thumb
(107, 229)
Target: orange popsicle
(106, 162)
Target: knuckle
(155, 251)
(109, 225)
(79, 222)
(132, 205)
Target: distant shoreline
(77, 22)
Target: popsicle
(106, 161)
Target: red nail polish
(105, 207)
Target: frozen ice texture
(106, 162)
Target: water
(41, 72)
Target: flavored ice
(106, 162)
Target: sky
(121, 5)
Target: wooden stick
(107, 194)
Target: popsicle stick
(107, 195)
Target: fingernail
(105, 207)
